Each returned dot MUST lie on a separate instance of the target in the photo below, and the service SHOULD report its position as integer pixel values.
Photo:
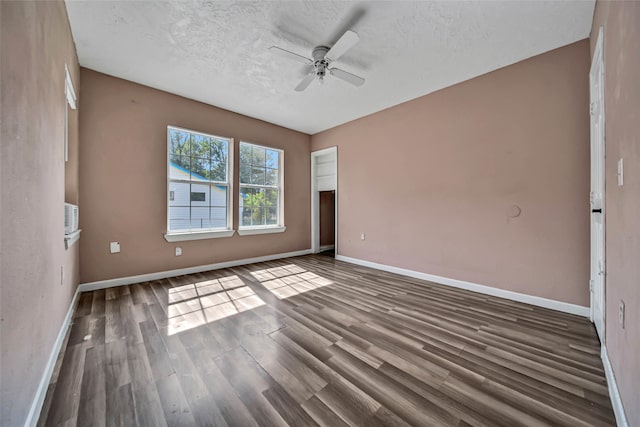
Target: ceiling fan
(323, 56)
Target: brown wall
(432, 182)
(327, 218)
(123, 170)
(622, 140)
(36, 44)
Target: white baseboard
(614, 394)
(41, 393)
(327, 247)
(103, 284)
(483, 289)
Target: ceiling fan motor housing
(319, 60)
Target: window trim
(197, 235)
(71, 101)
(270, 228)
(206, 233)
(261, 229)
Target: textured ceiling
(217, 52)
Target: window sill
(249, 231)
(198, 235)
(70, 239)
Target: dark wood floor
(314, 341)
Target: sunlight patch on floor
(197, 304)
(289, 280)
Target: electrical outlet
(114, 247)
(362, 236)
(621, 313)
(178, 251)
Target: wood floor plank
(499, 411)
(571, 403)
(80, 328)
(288, 372)
(311, 341)
(116, 365)
(156, 351)
(436, 396)
(205, 409)
(65, 404)
(233, 410)
(385, 417)
(348, 406)
(98, 303)
(120, 407)
(52, 385)
(287, 407)
(148, 408)
(322, 414)
(114, 329)
(250, 382)
(93, 398)
(177, 411)
(388, 392)
(84, 305)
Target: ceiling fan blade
(305, 83)
(346, 42)
(290, 55)
(347, 77)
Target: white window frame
(71, 101)
(263, 229)
(208, 233)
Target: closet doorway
(327, 222)
(324, 200)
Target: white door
(597, 282)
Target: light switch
(620, 173)
(114, 247)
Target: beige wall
(327, 217)
(432, 182)
(622, 126)
(123, 167)
(36, 44)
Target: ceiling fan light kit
(323, 56)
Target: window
(70, 94)
(199, 185)
(70, 193)
(260, 189)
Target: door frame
(315, 201)
(598, 61)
